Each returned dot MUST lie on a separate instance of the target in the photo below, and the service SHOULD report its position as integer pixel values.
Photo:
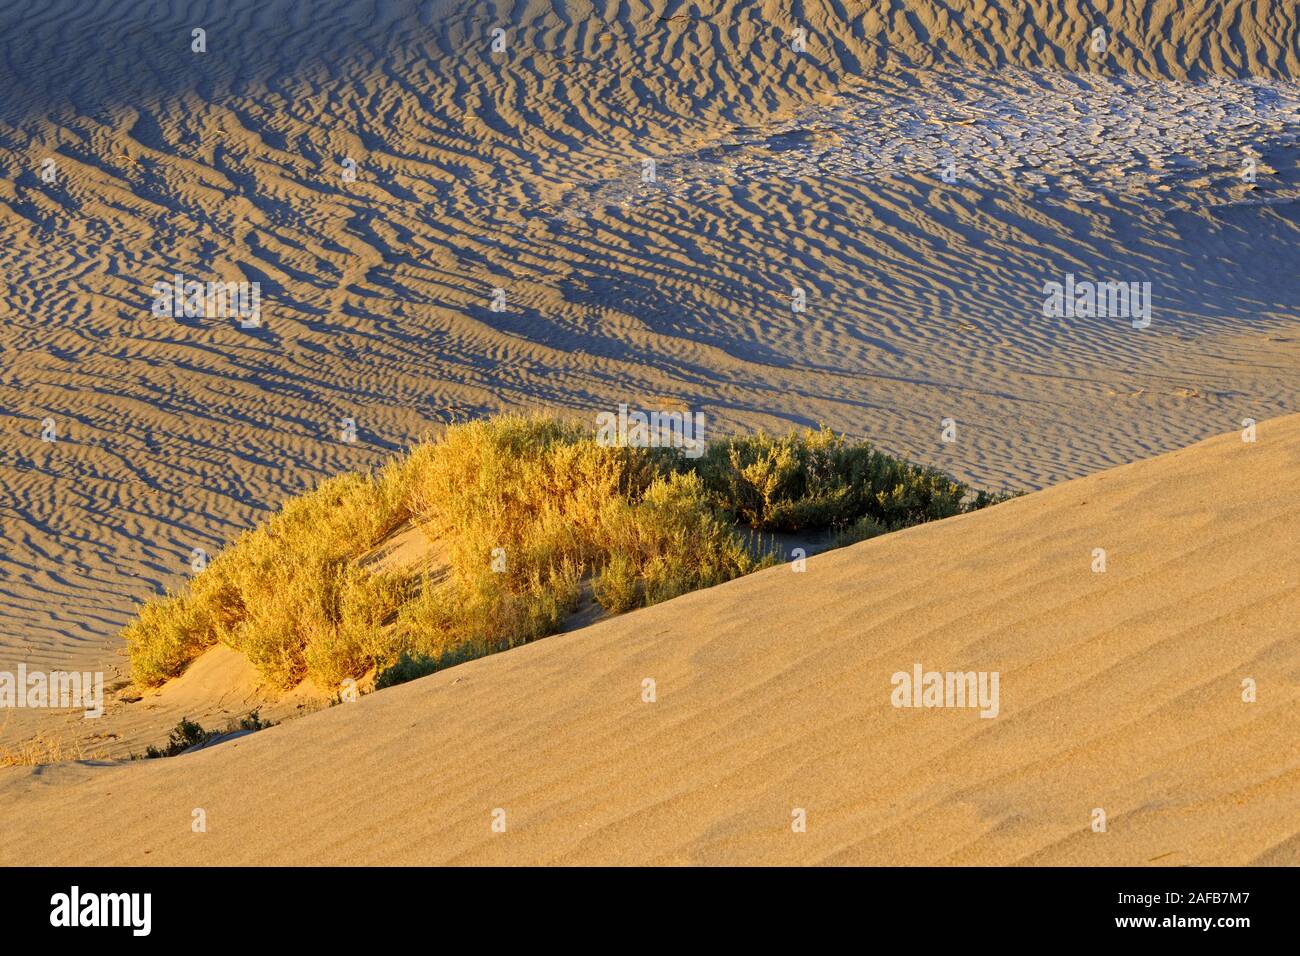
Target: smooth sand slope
(1120, 691)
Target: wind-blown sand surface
(521, 170)
(1119, 690)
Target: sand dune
(521, 170)
(1119, 690)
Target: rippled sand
(522, 170)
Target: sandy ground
(1119, 691)
(521, 170)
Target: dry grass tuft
(44, 749)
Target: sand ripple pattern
(924, 297)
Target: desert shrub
(189, 733)
(863, 529)
(350, 635)
(678, 542)
(166, 635)
(407, 667)
(531, 510)
(275, 586)
(815, 479)
(425, 624)
(554, 502)
(616, 587)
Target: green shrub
(863, 529)
(189, 733)
(814, 479)
(408, 666)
